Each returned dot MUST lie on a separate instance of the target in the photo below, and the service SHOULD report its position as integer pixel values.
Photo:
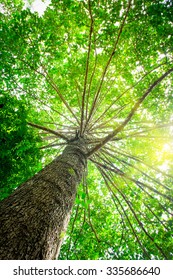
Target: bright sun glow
(164, 166)
(37, 6)
(167, 148)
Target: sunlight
(37, 6)
(165, 154)
(167, 148)
(164, 166)
(99, 50)
(2, 10)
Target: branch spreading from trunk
(122, 94)
(48, 130)
(129, 117)
(87, 68)
(108, 63)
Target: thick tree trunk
(34, 218)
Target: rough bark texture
(34, 218)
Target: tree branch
(144, 131)
(87, 68)
(109, 61)
(107, 181)
(54, 86)
(115, 170)
(129, 88)
(48, 130)
(134, 109)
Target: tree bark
(34, 218)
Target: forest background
(101, 70)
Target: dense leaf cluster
(19, 153)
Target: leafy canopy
(19, 153)
(104, 69)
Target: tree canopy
(101, 69)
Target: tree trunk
(34, 218)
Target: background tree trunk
(34, 218)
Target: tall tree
(97, 75)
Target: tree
(97, 76)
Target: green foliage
(85, 66)
(19, 153)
